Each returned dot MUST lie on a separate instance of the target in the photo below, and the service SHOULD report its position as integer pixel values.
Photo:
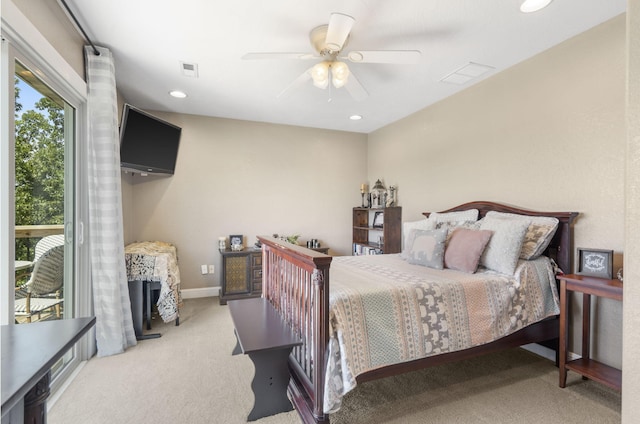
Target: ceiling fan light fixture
(530, 6)
(340, 74)
(320, 74)
(321, 84)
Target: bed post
(295, 281)
(565, 247)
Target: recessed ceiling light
(529, 6)
(178, 94)
(355, 117)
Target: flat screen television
(147, 144)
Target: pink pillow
(465, 248)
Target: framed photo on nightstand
(236, 240)
(595, 263)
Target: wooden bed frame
(296, 281)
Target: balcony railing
(38, 231)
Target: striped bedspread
(385, 311)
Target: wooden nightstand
(241, 274)
(588, 368)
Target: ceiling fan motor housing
(318, 38)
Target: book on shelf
(361, 249)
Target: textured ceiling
(150, 38)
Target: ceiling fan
(329, 42)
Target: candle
(363, 188)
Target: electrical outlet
(203, 269)
(212, 269)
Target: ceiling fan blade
(339, 28)
(385, 56)
(276, 55)
(356, 89)
(301, 80)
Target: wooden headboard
(561, 247)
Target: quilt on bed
(384, 310)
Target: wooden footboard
(296, 282)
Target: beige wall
(53, 23)
(631, 346)
(238, 177)
(547, 134)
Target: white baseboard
(202, 292)
(547, 353)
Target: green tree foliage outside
(39, 168)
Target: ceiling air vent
(189, 69)
(467, 73)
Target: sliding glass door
(44, 206)
(43, 197)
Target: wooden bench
(268, 340)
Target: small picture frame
(236, 240)
(378, 220)
(595, 263)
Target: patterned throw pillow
(426, 247)
(453, 220)
(539, 233)
(503, 251)
(464, 248)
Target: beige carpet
(189, 376)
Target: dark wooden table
(28, 353)
(585, 366)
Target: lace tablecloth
(157, 261)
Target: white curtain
(114, 324)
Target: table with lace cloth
(157, 261)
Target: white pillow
(503, 250)
(470, 215)
(539, 233)
(453, 220)
(423, 224)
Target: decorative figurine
(391, 197)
